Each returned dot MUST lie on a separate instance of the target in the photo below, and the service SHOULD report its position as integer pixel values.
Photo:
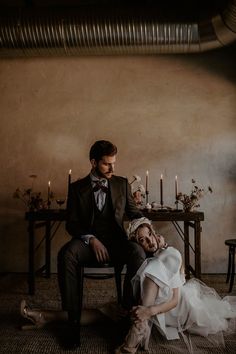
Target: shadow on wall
(14, 242)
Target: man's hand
(99, 249)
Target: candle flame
(161, 176)
(176, 177)
(70, 172)
(147, 173)
(49, 183)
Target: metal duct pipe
(88, 31)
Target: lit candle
(147, 177)
(176, 187)
(49, 192)
(161, 190)
(69, 177)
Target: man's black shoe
(122, 328)
(71, 336)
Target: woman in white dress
(167, 300)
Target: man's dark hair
(102, 148)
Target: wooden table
(51, 219)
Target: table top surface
(154, 215)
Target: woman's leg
(42, 317)
(139, 332)
(88, 316)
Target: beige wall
(168, 114)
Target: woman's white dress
(200, 309)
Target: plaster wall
(171, 115)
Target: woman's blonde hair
(135, 224)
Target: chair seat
(116, 274)
(98, 276)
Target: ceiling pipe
(89, 31)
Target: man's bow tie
(100, 186)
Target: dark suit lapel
(113, 189)
(86, 193)
(117, 197)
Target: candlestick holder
(176, 209)
(162, 208)
(161, 204)
(177, 204)
(147, 193)
(148, 207)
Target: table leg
(31, 272)
(197, 240)
(48, 249)
(186, 249)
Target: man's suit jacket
(80, 204)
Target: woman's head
(146, 238)
(142, 232)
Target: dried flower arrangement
(32, 200)
(138, 190)
(191, 201)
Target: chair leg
(80, 291)
(232, 249)
(229, 265)
(118, 285)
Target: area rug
(97, 339)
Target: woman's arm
(141, 313)
(166, 306)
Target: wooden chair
(101, 276)
(231, 243)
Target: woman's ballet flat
(37, 318)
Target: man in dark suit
(95, 212)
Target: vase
(188, 208)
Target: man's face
(104, 167)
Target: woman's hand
(141, 313)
